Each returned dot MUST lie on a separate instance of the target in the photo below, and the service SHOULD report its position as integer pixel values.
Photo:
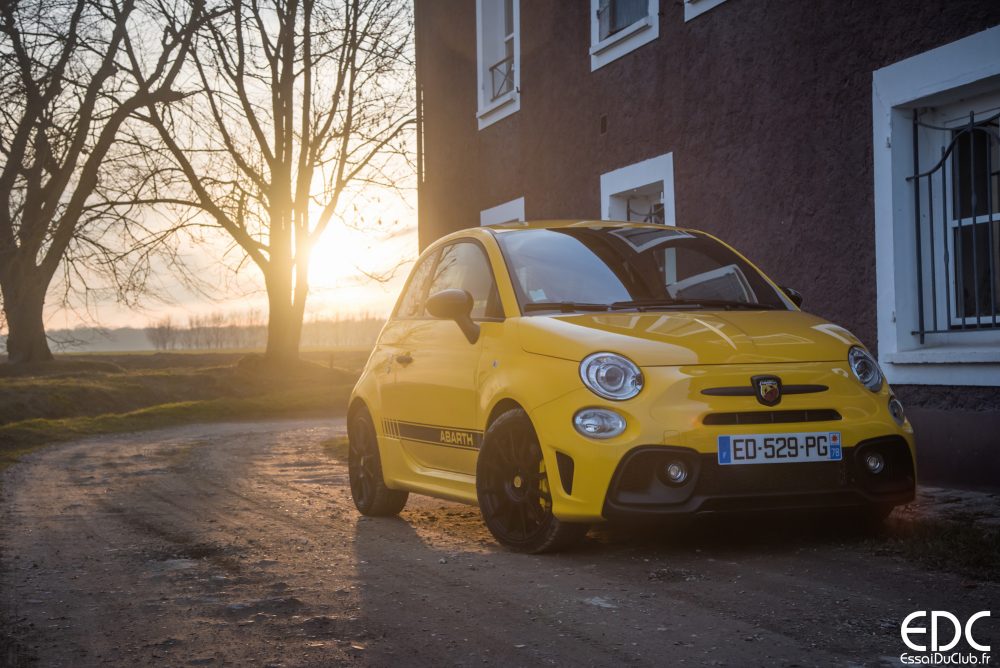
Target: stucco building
(790, 129)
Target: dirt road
(238, 545)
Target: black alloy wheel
(514, 491)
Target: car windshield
(604, 268)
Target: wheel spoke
(522, 511)
(507, 458)
(509, 517)
(537, 513)
(532, 462)
(497, 468)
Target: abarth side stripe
(450, 437)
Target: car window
(411, 302)
(610, 265)
(542, 263)
(464, 266)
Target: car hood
(689, 337)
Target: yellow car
(565, 373)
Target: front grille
(772, 417)
(749, 390)
(788, 477)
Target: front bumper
(673, 414)
(640, 489)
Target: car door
(433, 400)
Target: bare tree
(162, 334)
(300, 103)
(65, 91)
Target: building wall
(766, 107)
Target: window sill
(622, 35)
(496, 104)
(953, 364)
(503, 106)
(952, 354)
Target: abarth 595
(560, 374)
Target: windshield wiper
(565, 307)
(644, 304)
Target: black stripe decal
(434, 434)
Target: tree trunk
(284, 324)
(23, 305)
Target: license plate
(822, 446)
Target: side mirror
(455, 305)
(794, 295)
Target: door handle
(404, 359)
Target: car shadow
(741, 532)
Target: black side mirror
(794, 295)
(455, 305)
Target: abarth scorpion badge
(768, 389)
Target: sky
(338, 282)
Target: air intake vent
(772, 417)
(566, 466)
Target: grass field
(84, 395)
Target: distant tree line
(247, 330)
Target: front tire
(364, 466)
(514, 492)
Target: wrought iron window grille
(957, 227)
(654, 214)
(502, 77)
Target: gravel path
(237, 544)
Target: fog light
(896, 410)
(677, 472)
(875, 463)
(599, 423)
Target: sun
(336, 258)
(368, 244)
(344, 258)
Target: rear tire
(514, 491)
(364, 466)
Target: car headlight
(611, 376)
(599, 423)
(865, 368)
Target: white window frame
(933, 77)
(624, 41)
(490, 111)
(693, 8)
(503, 213)
(616, 184)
